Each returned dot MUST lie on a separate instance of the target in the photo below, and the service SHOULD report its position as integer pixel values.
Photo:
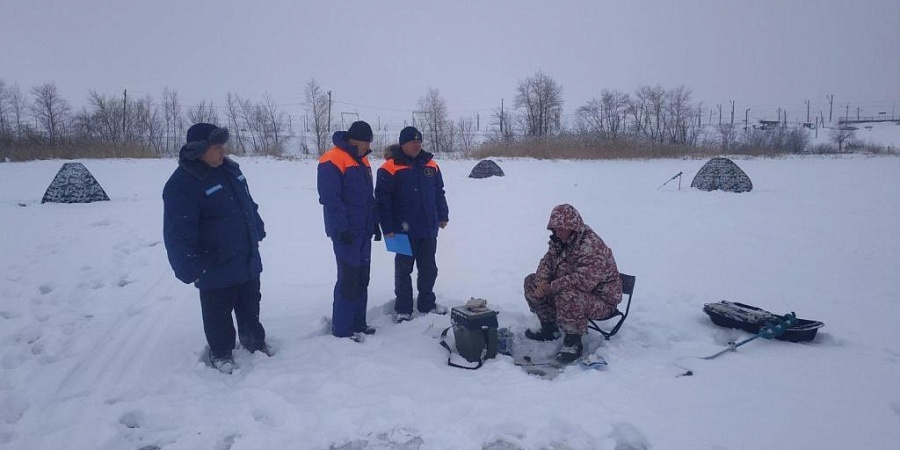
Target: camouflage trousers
(570, 309)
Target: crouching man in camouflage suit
(576, 280)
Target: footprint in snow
(132, 419)
(45, 289)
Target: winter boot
(548, 332)
(224, 364)
(266, 350)
(369, 330)
(571, 350)
(400, 318)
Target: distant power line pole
(847, 114)
(501, 116)
(746, 119)
(732, 113)
(807, 111)
(830, 106)
(329, 111)
(124, 111)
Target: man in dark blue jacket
(212, 232)
(344, 182)
(409, 197)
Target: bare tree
(204, 111)
(614, 105)
(5, 126)
(539, 97)
(726, 136)
(273, 125)
(465, 128)
(842, 135)
(233, 117)
(173, 118)
(146, 126)
(105, 121)
(50, 111)
(317, 107)
(436, 125)
(19, 108)
(252, 124)
(589, 118)
(679, 122)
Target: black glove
(346, 237)
(377, 234)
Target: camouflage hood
(565, 217)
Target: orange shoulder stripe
(392, 167)
(339, 158)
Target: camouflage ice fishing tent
(486, 168)
(74, 184)
(724, 174)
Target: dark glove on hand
(377, 235)
(346, 237)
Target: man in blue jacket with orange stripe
(410, 199)
(345, 191)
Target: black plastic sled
(751, 319)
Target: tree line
(40, 123)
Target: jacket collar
(200, 170)
(401, 158)
(339, 138)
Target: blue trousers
(217, 305)
(351, 291)
(423, 250)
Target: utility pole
(732, 113)
(124, 111)
(830, 106)
(329, 111)
(501, 116)
(807, 111)
(746, 119)
(720, 114)
(857, 113)
(847, 114)
(477, 121)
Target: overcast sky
(379, 57)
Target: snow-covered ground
(100, 345)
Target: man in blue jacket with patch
(409, 197)
(212, 232)
(345, 184)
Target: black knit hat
(200, 137)
(360, 131)
(409, 134)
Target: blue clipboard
(398, 244)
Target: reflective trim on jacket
(211, 225)
(409, 195)
(344, 182)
